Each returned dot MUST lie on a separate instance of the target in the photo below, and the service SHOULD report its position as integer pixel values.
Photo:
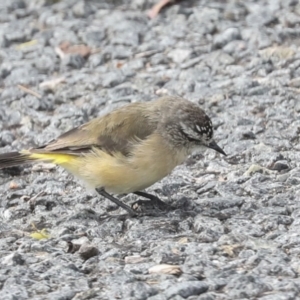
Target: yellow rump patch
(56, 158)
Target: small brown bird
(129, 149)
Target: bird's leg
(102, 192)
(153, 200)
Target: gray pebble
(227, 36)
(158, 297)
(82, 9)
(6, 138)
(186, 289)
(246, 286)
(179, 55)
(3, 41)
(74, 60)
(260, 18)
(12, 259)
(112, 79)
(121, 52)
(62, 294)
(87, 251)
(12, 289)
(94, 38)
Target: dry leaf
(29, 91)
(161, 92)
(120, 64)
(176, 251)
(165, 269)
(257, 169)
(183, 240)
(277, 53)
(222, 178)
(27, 44)
(13, 185)
(52, 83)
(40, 234)
(230, 249)
(66, 48)
(134, 259)
(154, 11)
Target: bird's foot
(143, 206)
(154, 203)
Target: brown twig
(29, 91)
(154, 11)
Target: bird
(128, 149)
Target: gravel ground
(240, 61)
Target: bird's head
(192, 128)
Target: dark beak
(213, 145)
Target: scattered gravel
(239, 235)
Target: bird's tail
(12, 159)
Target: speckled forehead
(205, 127)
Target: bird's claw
(141, 206)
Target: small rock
(74, 60)
(6, 138)
(136, 64)
(89, 294)
(158, 297)
(235, 47)
(16, 37)
(187, 289)
(126, 38)
(112, 79)
(96, 60)
(159, 59)
(179, 55)
(3, 41)
(81, 9)
(227, 36)
(12, 259)
(295, 82)
(202, 223)
(191, 62)
(246, 286)
(279, 166)
(210, 296)
(87, 251)
(260, 18)
(121, 52)
(45, 64)
(62, 294)
(249, 135)
(16, 4)
(94, 38)
(14, 119)
(141, 291)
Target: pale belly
(122, 175)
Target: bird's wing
(117, 131)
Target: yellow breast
(149, 162)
